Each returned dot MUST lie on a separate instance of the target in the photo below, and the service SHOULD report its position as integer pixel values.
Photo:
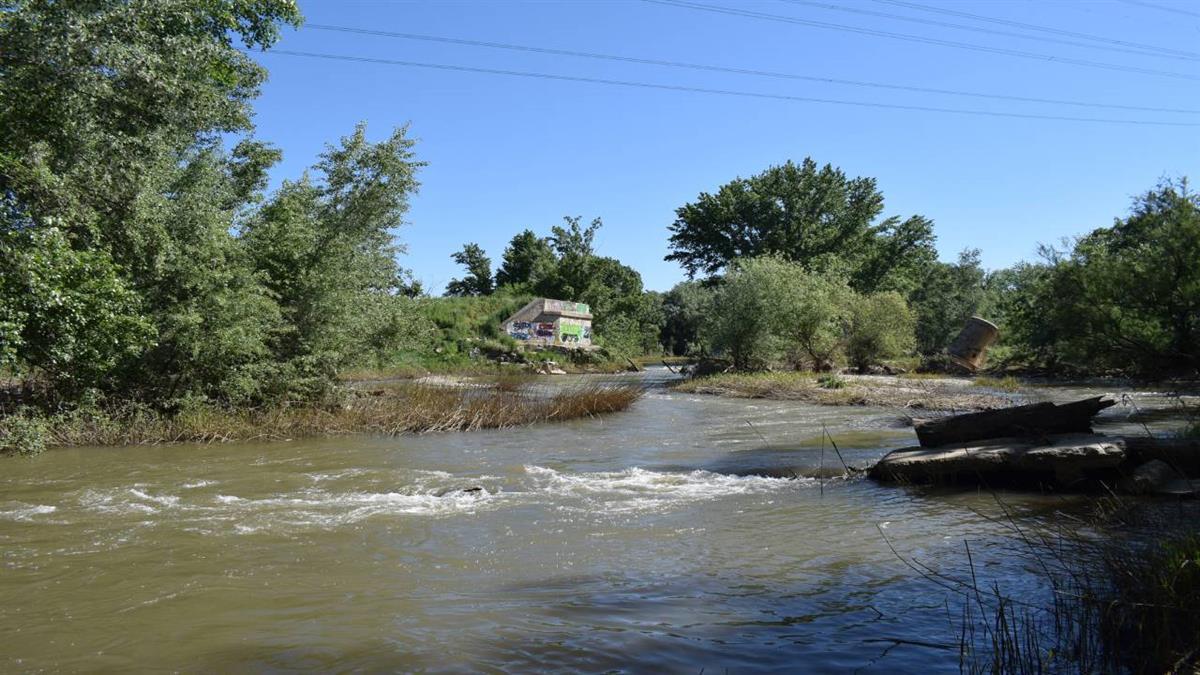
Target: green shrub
(881, 327)
(22, 434)
(1006, 383)
(831, 382)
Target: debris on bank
(1044, 446)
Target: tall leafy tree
(813, 215)
(1125, 298)
(527, 259)
(573, 244)
(478, 280)
(97, 98)
(685, 308)
(326, 251)
(113, 111)
(948, 294)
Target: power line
(724, 92)
(737, 71)
(917, 38)
(1035, 27)
(1161, 8)
(991, 31)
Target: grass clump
(1125, 602)
(1006, 383)
(831, 381)
(1151, 620)
(407, 408)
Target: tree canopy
(478, 280)
(1125, 297)
(813, 215)
(527, 260)
(141, 256)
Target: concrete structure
(551, 323)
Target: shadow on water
(847, 621)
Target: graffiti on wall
(570, 332)
(520, 330)
(566, 331)
(567, 306)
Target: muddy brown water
(669, 538)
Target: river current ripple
(688, 533)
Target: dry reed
(409, 408)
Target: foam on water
(637, 489)
(326, 509)
(23, 511)
(329, 500)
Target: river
(668, 538)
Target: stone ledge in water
(1061, 460)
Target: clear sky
(508, 152)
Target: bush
(881, 327)
(743, 323)
(831, 382)
(769, 310)
(22, 434)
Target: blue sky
(507, 153)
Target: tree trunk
(1038, 419)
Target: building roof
(552, 307)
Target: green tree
(948, 295)
(479, 272)
(769, 310)
(814, 315)
(527, 260)
(881, 327)
(815, 216)
(98, 98)
(325, 251)
(686, 307)
(68, 317)
(573, 272)
(1125, 298)
(112, 112)
(744, 324)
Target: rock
(467, 490)
(1061, 460)
(550, 368)
(1183, 454)
(1151, 477)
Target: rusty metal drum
(969, 349)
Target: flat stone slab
(1064, 458)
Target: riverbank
(396, 409)
(916, 392)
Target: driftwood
(1038, 419)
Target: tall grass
(408, 408)
(1128, 601)
(1006, 383)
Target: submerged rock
(1157, 477)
